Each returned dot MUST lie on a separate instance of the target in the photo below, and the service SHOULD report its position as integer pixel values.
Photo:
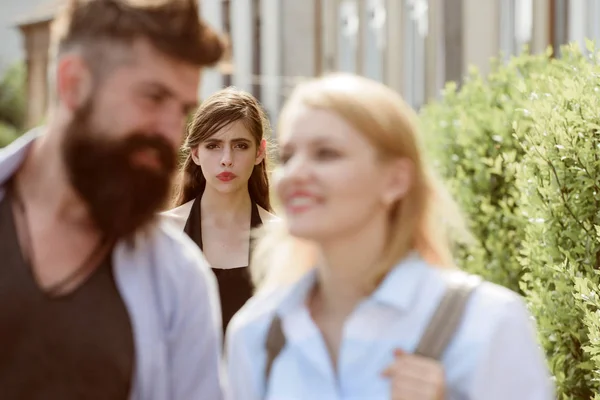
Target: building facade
(413, 46)
(11, 46)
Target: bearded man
(98, 299)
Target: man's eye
(155, 97)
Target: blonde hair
(420, 221)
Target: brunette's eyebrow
(236, 140)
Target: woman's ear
(194, 155)
(400, 179)
(261, 153)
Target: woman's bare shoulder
(178, 215)
(267, 216)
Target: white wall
(271, 62)
(212, 80)
(12, 47)
(299, 27)
(242, 36)
(481, 35)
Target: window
(374, 39)
(416, 26)
(583, 16)
(593, 16)
(227, 58)
(348, 36)
(516, 26)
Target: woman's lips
(226, 176)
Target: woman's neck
(346, 267)
(225, 208)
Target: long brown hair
(216, 112)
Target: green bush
(520, 150)
(7, 134)
(469, 136)
(12, 103)
(559, 180)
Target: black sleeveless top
(235, 286)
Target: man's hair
(97, 27)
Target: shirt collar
(399, 288)
(13, 155)
(403, 283)
(296, 297)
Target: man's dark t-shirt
(76, 346)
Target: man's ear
(399, 182)
(73, 81)
(261, 152)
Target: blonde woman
(351, 282)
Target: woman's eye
(327, 154)
(211, 146)
(242, 146)
(284, 158)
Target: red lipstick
(226, 176)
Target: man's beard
(121, 197)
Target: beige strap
(437, 335)
(274, 344)
(447, 317)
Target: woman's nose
(297, 168)
(226, 159)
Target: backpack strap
(437, 336)
(447, 317)
(274, 344)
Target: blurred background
(414, 46)
(516, 143)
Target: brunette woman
(223, 189)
